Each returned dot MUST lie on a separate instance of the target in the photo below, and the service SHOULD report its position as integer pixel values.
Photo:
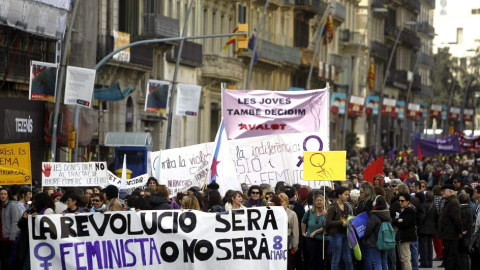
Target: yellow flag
(325, 166)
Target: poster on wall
(79, 86)
(424, 106)
(444, 112)
(188, 99)
(43, 81)
(454, 114)
(399, 110)
(355, 106)
(338, 102)
(157, 95)
(436, 111)
(413, 111)
(388, 106)
(372, 105)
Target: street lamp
(379, 117)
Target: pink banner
(260, 112)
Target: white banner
(254, 238)
(188, 99)
(79, 86)
(139, 181)
(79, 174)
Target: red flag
(420, 155)
(375, 168)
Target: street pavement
(435, 266)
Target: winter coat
(114, 205)
(429, 223)
(406, 228)
(363, 206)
(450, 222)
(159, 202)
(333, 222)
(10, 216)
(467, 221)
(292, 229)
(375, 220)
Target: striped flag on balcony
(371, 74)
(328, 29)
(231, 40)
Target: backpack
(386, 237)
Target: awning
(115, 139)
(113, 93)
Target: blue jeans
(366, 257)
(414, 254)
(340, 248)
(378, 258)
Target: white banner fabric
(79, 174)
(254, 238)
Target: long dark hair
(41, 201)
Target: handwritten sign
(15, 165)
(325, 166)
(139, 181)
(254, 238)
(80, 174)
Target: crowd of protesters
(432, 204)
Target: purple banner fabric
(429, 147)
(259, 112)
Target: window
(459, 35)
(476, 11)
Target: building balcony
(410, 37)
(269, 51)
(292, 55)
(412, 5)
(431, 3)
(379, 50)
(336, 61)
(390, 31)
(159, 26)
(222, 68)
(339, 13)
(354, 39)
(311, 6)
(192, 54)
(399, 79)
(425, 27)
(426, 60)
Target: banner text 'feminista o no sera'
(173, 239)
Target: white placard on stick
(80, 174)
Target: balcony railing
(292, 55)
(379, 50)
(409, 37)
(270, 51)
(431, 3)
(339, 12)
(337, 61)
(318, 6)
(426, 28)
(160, 26)
(426, 59)
(412, 5)
(378, 4)
(191, 54)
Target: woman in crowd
(190, 202)
(42, 205)
(234, 202)
(73, 204)
(213, 201)
(163, 190)
(293, 237)
(312, 230)
(337, 229)
(255, 194)
(405, 221)
(367, 194)
(378, 215)
(426, 230)
(98, 203)
(152, 182)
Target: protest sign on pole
(254, 238)
(79, 174)
(139, 181)
(79, 86)
(156, 95)
(188, 99)
(260, 112)
(325, 165)
(15, 164)
(43, 81)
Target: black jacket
(450, 222)
(159, 202)
(363, 206)
(429, 223)
(375, 220)
(406, 228)
(467, 221)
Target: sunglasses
(255, 193)
(401, 201)
(95, 200)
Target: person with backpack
(426, 230)
(336, 224)
(379, 234)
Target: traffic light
(242, 40)
(72, 136)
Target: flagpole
(259, 31)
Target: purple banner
(429, 147)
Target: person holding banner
(73, 204)
(312, 230)
(98, 203)
(293, 236)
(337, 229)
